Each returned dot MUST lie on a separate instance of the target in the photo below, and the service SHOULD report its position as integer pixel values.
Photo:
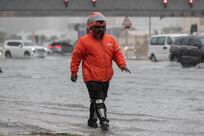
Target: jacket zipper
(104, 58)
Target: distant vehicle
(61, 47)
(1, 52)
(188, 50)
(130, 52)
(1, 71)
(159, 46)
(19, 48)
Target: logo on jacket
(109, 44)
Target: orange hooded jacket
(96, 57)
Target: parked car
(1, 52)
(1, 56)
(188, 50)
(61, 47)
(19, 48)
(159, 46)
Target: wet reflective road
(156, 99)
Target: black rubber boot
(101, 110)
(92, 123)
(104, 124)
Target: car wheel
(153, 58)
(27, 54)
(171, 57)
(184, 65)
(174, 58)
(202, 58)
(49, 53)
(8, 54)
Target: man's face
(99, 31)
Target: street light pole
(150, 27)
(126, 37)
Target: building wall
(187, 22)
(108, 7)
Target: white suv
(1, 52)
(19, 48)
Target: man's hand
(125, 69)
(73, 77)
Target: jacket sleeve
(118, 56)
(77, 56)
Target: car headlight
(33, 49)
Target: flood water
(156, 99)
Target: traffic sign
(126, 23)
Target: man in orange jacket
(96, 50)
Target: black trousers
(97, 91)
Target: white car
(19, 48)
(1, 52)
(159, 46)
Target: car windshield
(29, 44)
(202, 40)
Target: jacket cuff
(74, 73)
(122, 66)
